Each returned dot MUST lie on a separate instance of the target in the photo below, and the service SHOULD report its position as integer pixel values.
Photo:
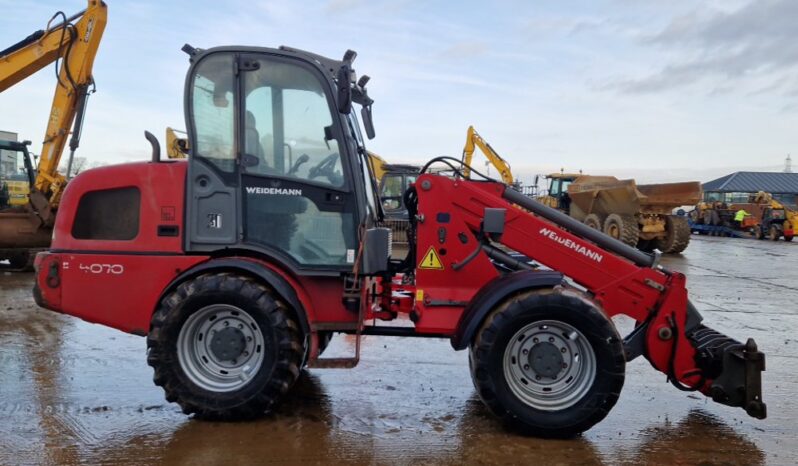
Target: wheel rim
(614, 231)
(220, 348)
(549, 365)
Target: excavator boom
(75, 41)
(71, 43)
(474, 140)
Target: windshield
(13, 166)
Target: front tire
(548, 364)
(677, 235)
(225, 347)
(775, 232)
(623, 228)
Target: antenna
(788, 164)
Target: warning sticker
(431, 261)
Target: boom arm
(75, 41)
(619, 279)
(474, 140)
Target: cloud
(464, 50)
(758, 41)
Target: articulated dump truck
(639, 215)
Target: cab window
(288, 126)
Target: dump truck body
(639, 215)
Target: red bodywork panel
(162, 187)
(119, 283)
(452, 209)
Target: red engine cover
(162, 187)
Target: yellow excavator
(71, 43)
(474, 141)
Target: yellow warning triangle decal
(431, 261)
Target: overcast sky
(662, 91)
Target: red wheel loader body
(132, 240)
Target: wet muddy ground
(73, 392)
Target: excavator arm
(474, 140)
(74, 41)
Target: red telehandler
(241, 261)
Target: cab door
(296, 183)
(270, 167)
(212, 187)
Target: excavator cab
(16, 173)
(277, 157)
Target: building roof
(751, 182)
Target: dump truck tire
(775, 232)
(677, 231)
(594, 221)
(224, 347)
(548, 364)
(788, 238)
(623, 228)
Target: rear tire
(224, 347)
(623, 228)
(677, 235)
(21, 261)
(775, 232)
(548, 364)
(594, 221)
(788, 238)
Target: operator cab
(558, 197)
(16, 174)
(278, 163)
(393, 185)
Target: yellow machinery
(176, 147)
(785, 229)
(15, 183)
(474, 141)
(71, 43)
(767, 218)
(638, 215)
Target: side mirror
(344, 88)
(368, 123)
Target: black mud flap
(734, 368)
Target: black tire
(788, 238)
(622, 227)
(594, 221)
(775, 232)
(21, 261)
(677, 235)
(499, 331)
(282, 349)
